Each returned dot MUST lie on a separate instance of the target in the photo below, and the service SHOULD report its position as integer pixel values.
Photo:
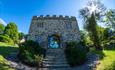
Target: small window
(40, 24)
(68, 25)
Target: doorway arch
(54, 41)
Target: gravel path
(88, 65)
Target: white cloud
(3, 22)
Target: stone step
(55, 50)
(56, 66)
(54, 59)
(53, 62)
(50, 57)
(58, 56)
(49, 60)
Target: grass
(5, 50)
(4, 64)
(107, 61)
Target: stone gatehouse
(53, 31)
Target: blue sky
(21, 11)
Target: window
(40, 24)
(68, 25)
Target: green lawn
(5, 50)
(107, 60)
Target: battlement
(60, 17)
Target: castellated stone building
(53, 30)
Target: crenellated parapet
(60, 17)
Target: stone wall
(43, 26)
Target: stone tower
(61, 29)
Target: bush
(39, 59)
(6, 39)
(28, 52)
(76, 53)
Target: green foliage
(90, 19)
(110, 18)
(85, 38)
(108, 61)
(86, 12)
(5, 50)
(2, 27)
(6, 39)
(4, 64)
(76, 53)
(101, 32)
(29, 50)
(39, 59)
(91, 27)
(103, 35)
(111, 67)
(12, 31)
(21, 35)
(83, 34)
(32, 47)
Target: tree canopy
(2, 27)
(11, 30)
(110, 18)
(90, 14)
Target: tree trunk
(99, 47)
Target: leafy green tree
(103, 35)
(92, 6)
(93, 33)
(2, 27)
(85, 38)
(91, 13)
(82, 34)
(11, 30)
(110, 18)
(21, 35)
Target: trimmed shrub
(28, 52)
(6, 39)
(76, 53)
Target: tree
(103, 35)
(21, 35)
(110, 18)
(92, 6)
(93, 33)
(2, 27)
(90, 14)
(85, 38)
(11, 30)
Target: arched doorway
(54, 41)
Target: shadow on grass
(6, 50)
(110, 47)
(98, 52)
